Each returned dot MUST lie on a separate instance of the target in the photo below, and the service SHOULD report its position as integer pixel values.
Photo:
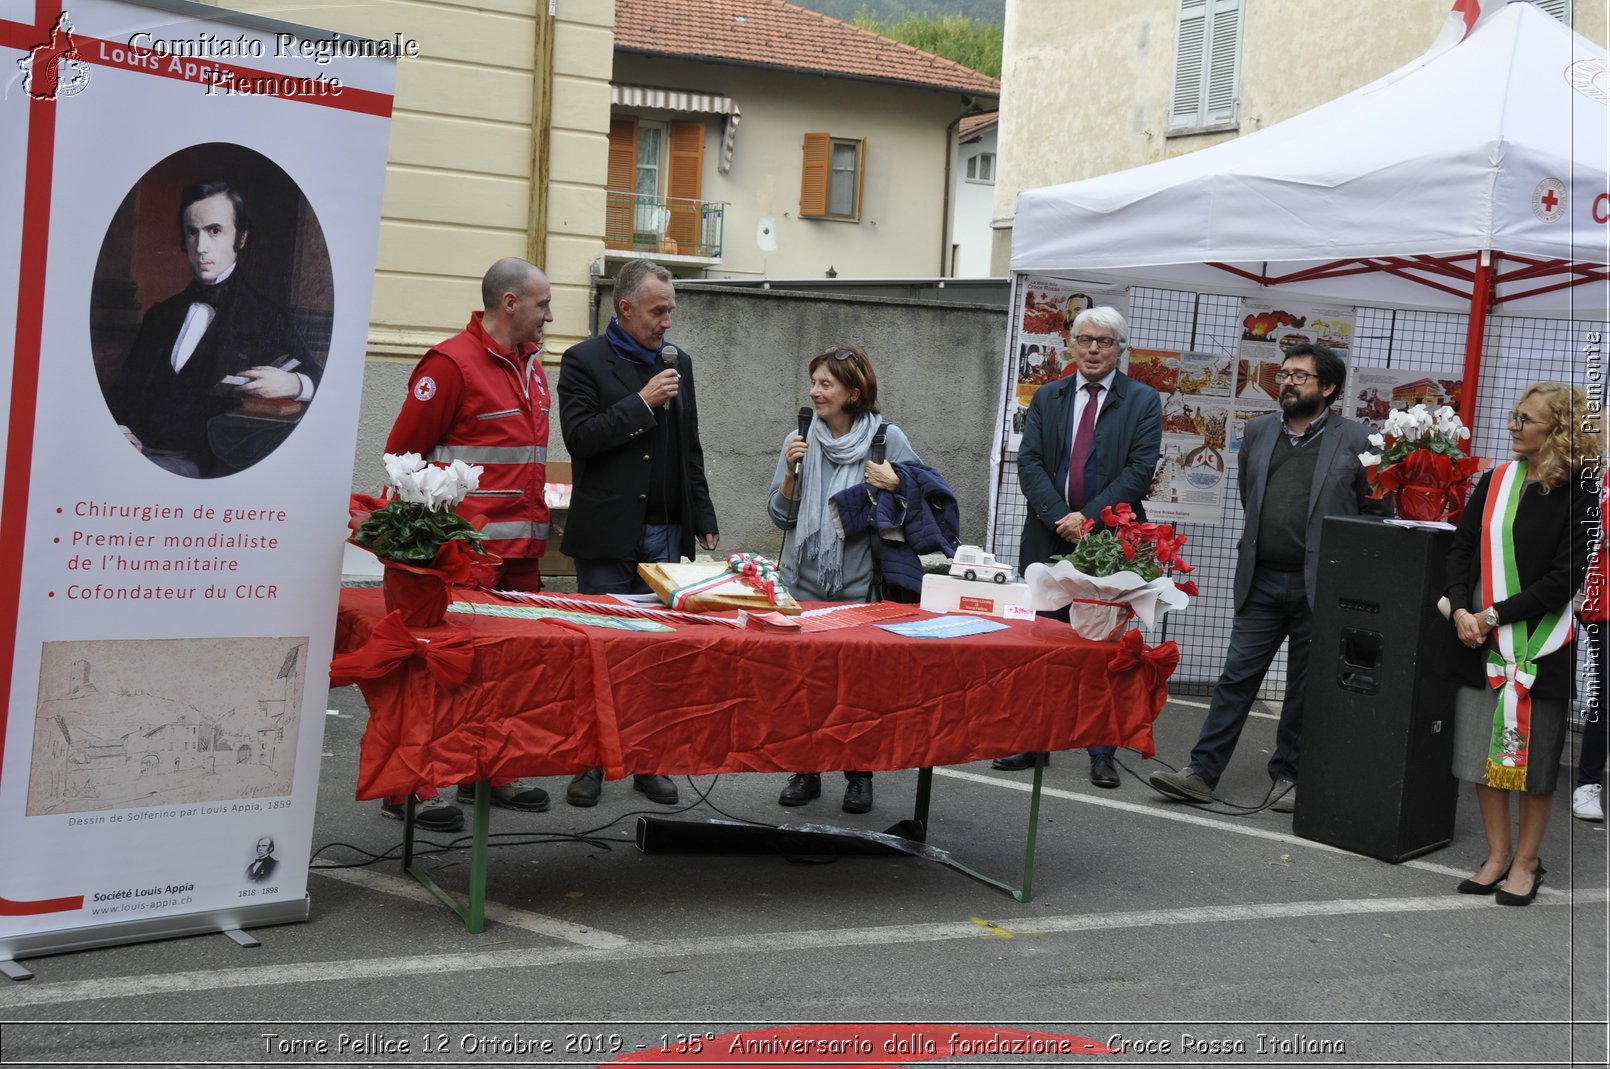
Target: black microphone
(668, 357)
(804, 429)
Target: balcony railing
(663, 225)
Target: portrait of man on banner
(211, 311)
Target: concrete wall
(939, 371)
(908, 140)
(1085, 84)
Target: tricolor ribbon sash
(753, 571)
(1512, 666)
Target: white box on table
(947, 593)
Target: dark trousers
(1590, 765)
(608, 575)
(1276, 609)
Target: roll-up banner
(189, 211)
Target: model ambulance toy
(971, 562)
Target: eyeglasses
(1521, 421)
(1086, 340)
(842, 355)
(1296, 378)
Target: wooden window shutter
(860, 180)
(1224, 63)
(620, 183)
(1190, 62)
(686, 161)
(813, 180)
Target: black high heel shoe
(1504, 898)
(1471, 887)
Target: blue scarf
(628, 347)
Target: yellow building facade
(498, 148)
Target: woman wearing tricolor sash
(1518, 557)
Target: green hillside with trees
(967, 31)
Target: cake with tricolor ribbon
(743, 581)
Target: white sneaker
(1587, 802)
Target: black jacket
(608, 431)
(1552, 535)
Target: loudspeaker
(1377, 733)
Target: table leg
(925, 779)
(925, 791)
(408, 835)
(473, 914)
(476, 919)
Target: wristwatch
(1490, 617)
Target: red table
(549, 698)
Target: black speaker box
(1377, 733)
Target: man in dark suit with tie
(1296, 466)
(630, 419)
(214, 347)
(1091, 440)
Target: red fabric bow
(1157, 662)
(449, 658)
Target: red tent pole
(1481, 295)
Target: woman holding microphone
(818, 563)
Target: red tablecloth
(547, 698)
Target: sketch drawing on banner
(130, 723)
(211, 310)
(52, 70)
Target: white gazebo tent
(1470, 180)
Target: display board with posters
(1195, 389)
(190, 201)
(1267, 334)
(1041, 342)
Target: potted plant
(1122, 572)
(423, 544)
(1420, 463)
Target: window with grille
(981, 168)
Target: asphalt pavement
(1178, 935)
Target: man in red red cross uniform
(481, 397)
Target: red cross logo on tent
(1548, 199)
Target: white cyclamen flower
(1367, 459)
(437, 486)
(401, 464)
(409, 486)
(1378, 440)
(467, 479)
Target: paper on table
(1435, 525)
(946, 627)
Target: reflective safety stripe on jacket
(502, 425)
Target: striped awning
(651, 97)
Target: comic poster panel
(1043, 343)
(1375, 392)
(1192, 471)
